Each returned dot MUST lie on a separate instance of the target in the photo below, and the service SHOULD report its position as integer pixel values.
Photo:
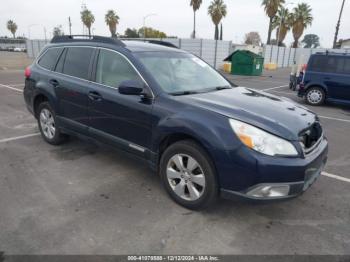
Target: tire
(188, 175)
(315, 96)
(48, 126)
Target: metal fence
(211, 51)
(35, 46)
(285, 57)
(6, 43)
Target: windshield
(182, 73)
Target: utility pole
(338, 26)
(70, 26)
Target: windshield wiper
(182, 93)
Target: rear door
(124, 120)
(71, 86)
(344, 80)
(333, 72)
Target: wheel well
(319, 86)
(173, 138)
(37, 101)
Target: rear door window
(49, 58)
(77, 62)
(335, 65)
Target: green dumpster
(246, 63)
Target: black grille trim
(311, 137)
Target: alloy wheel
(315, 96)
(185, 177)
(47, 123)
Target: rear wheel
(48, 126)
(188, 175)
(315, 96)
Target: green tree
(301, 19)
(271, 7)
(12, 26)
(87, 18)
(58, 31)
(196, 4)
(217, 11)
(152, 33)
(131, 33)
(283, 22)
(252, 38)
(112, 20)
(311, 41)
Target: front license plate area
(311, 176)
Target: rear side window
(328, 64)
(49, 59)
(347, 66)
(77, 62)
(113, 68)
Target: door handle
(54, 82)
(95, 96)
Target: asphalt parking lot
(82, 199)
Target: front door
(124, 120)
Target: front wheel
(188, 175)
(315, 96)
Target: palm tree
(12, 26)
(196, 4)
(283, 22)
(301, 19)
(87, 18)
(271, 7)
(112, 20)
(217, 10)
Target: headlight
(262, 141)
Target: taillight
(27, 72)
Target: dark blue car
(327, 78)
(204, 136)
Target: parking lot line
(272, 88)
(14, 85)
(5, 140)
(281, 92)
(344, 179)
(337, 119)
(12, 88)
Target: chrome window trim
(59, 72)
(89, 81)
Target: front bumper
(274, 191)
(281, 179)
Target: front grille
(311, 137)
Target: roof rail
(151, 41)
(328, 52)
(80, 38)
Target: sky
(174, 17)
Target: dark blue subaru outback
(203, 135)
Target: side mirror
(131, 87)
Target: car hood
(276, 115)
